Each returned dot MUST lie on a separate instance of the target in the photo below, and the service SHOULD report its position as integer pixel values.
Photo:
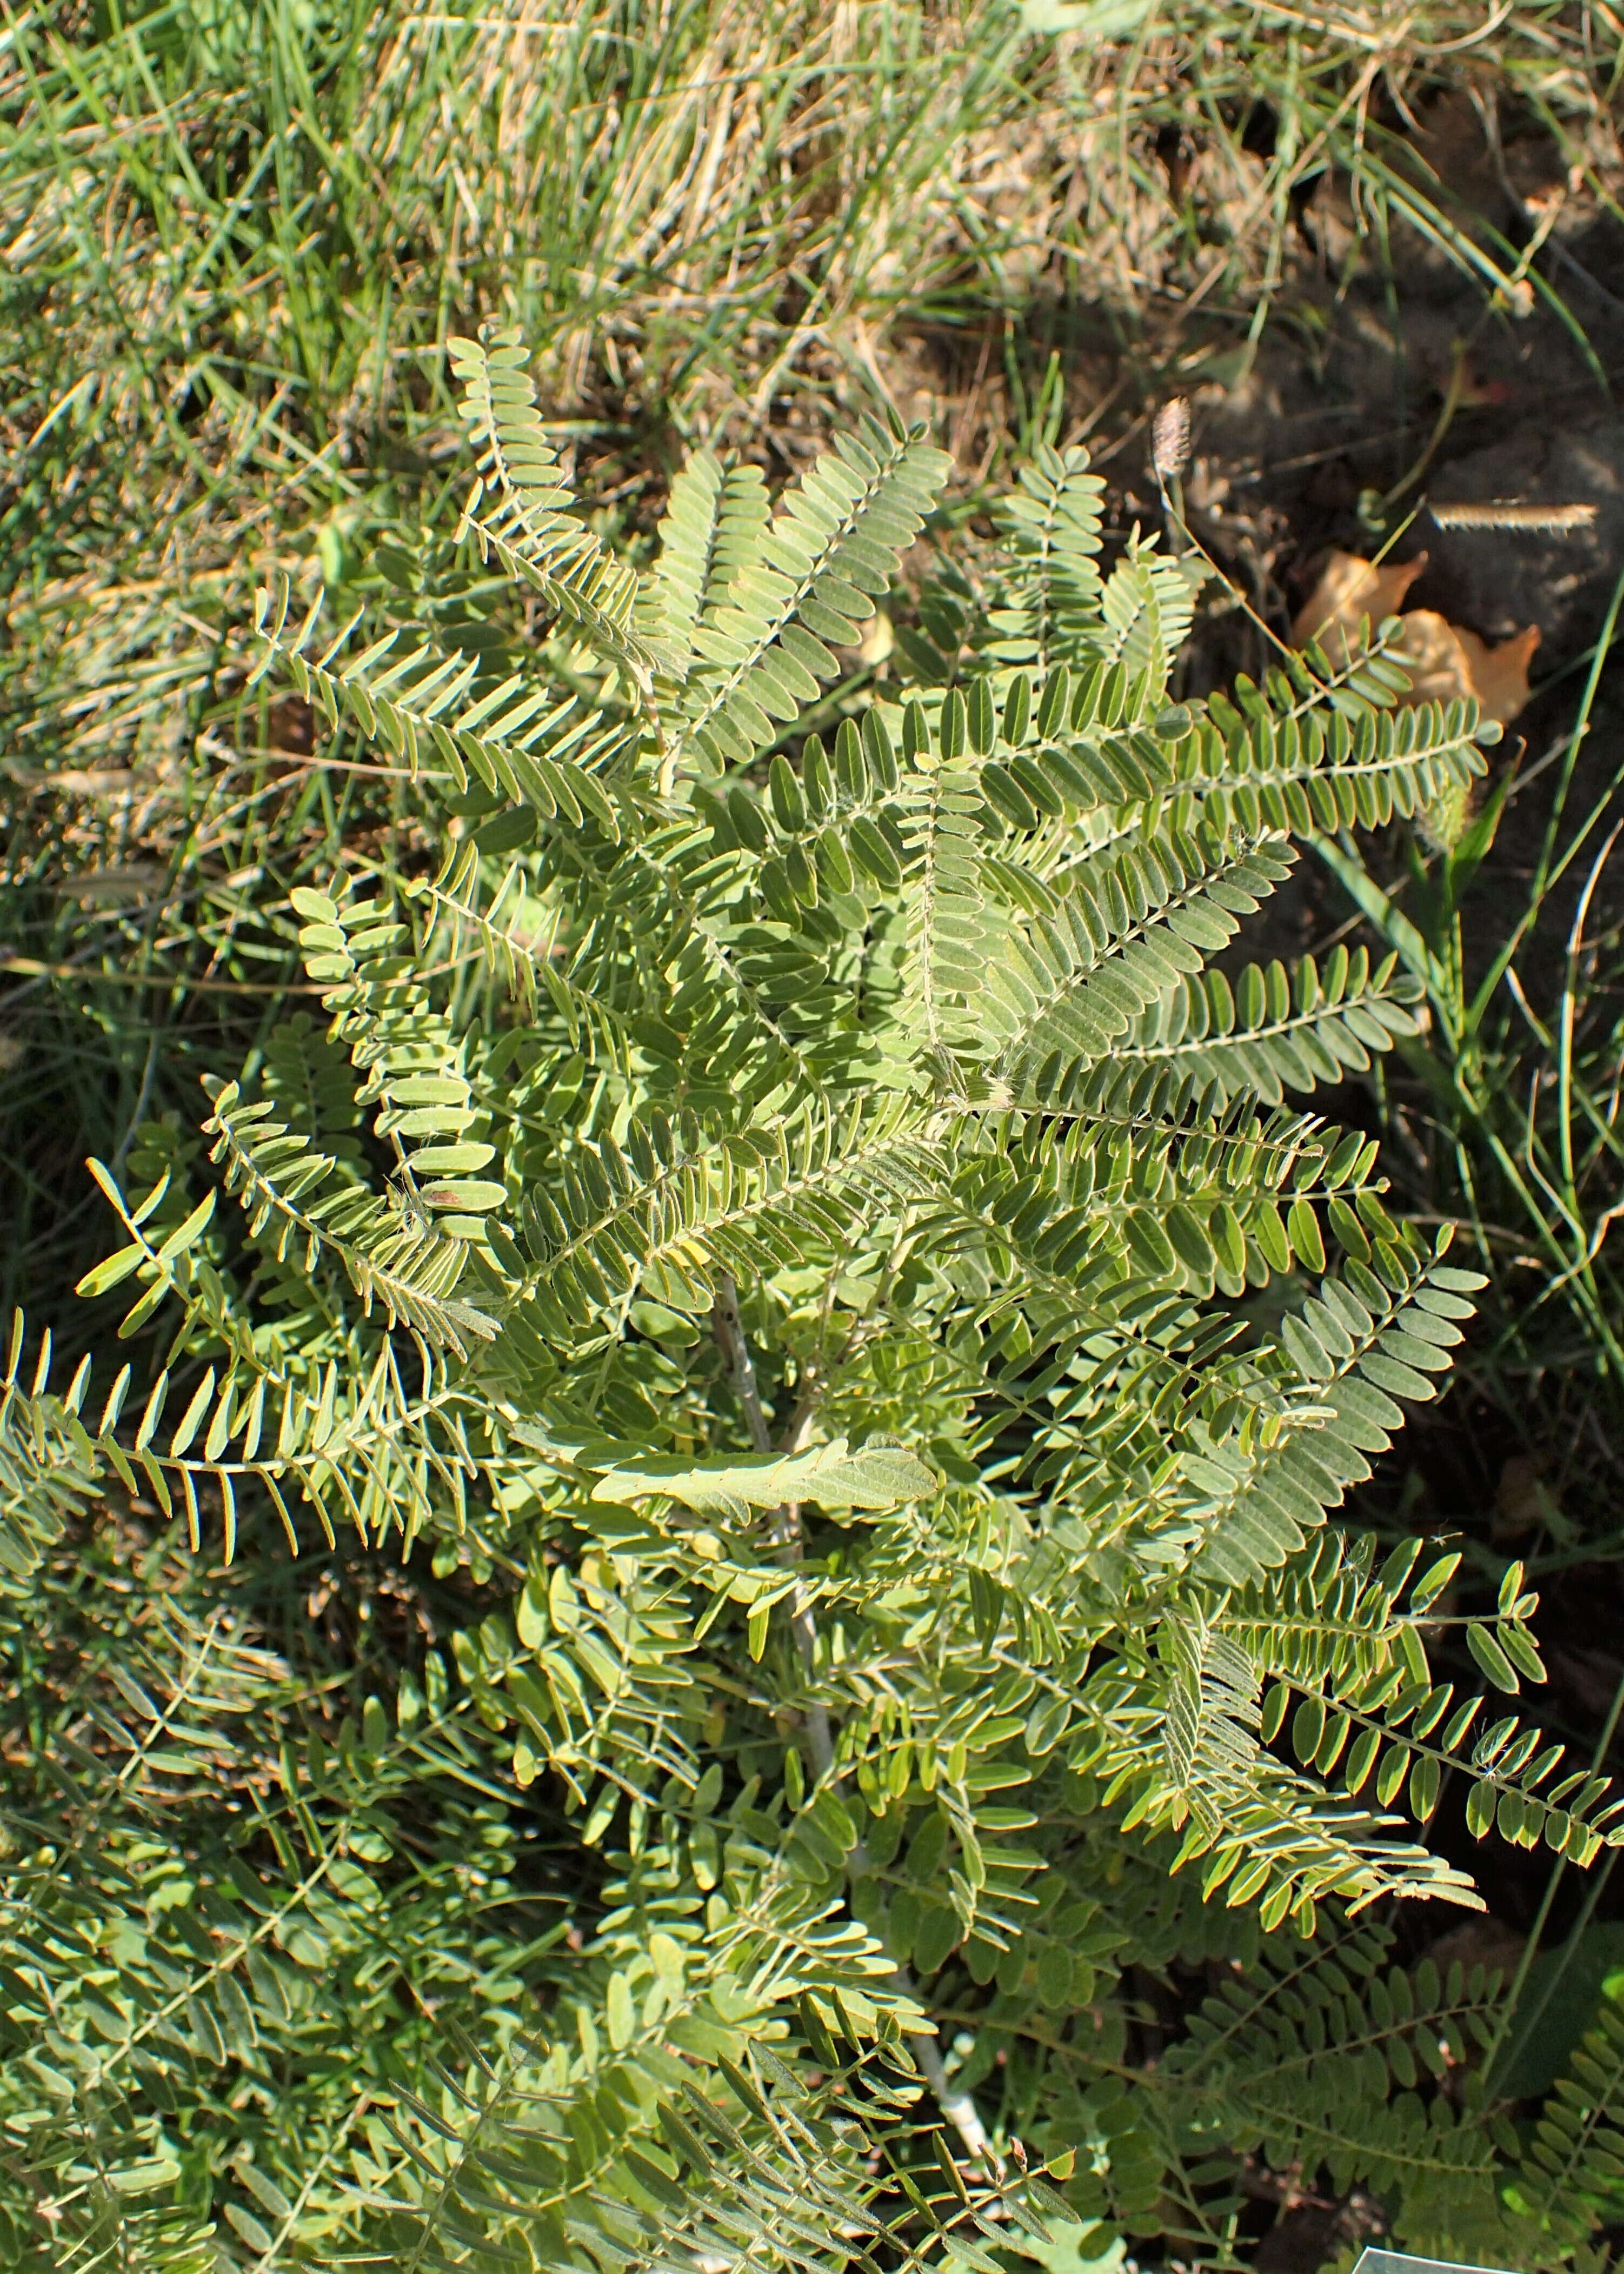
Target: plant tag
(1396, 2261)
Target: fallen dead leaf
(1350, 591)
(1445, 662)
(1499, 674)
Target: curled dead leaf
(1445, 662)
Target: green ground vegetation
(356, 1880)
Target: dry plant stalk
(1508, 513)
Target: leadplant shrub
(801, 1204)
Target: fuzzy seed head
(1510, 513)
(1170, 440)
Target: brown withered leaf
(1350, 591)
(1446, 661)
(1499, 674)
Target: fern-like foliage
(1273, 1030)
(804, 1222)
(1572, 2166)
(520, 513)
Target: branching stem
(958, 2108)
